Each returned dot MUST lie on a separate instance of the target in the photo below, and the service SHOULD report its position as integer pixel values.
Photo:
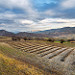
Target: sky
(36, 15)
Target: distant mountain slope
(6, 33)
(62, 32)
(21, 34)
(59, 32)
(25, 34)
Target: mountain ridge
(20, 34)
(60, 32)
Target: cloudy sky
(36, 15)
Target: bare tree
(51, 40)
(16, 38)
(62, 41)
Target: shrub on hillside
(51, 40)
(62, 41)
(25, 38)
(16, 38)
(70, 40)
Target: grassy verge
(10, 66)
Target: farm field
(57, 59)
(43, 50)
(60, 58)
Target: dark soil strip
(39, 49)
(57, 54)
(45, 50)
(65, 56)
(50, 52)
(32, 48)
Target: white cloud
(24, 5)
(53, 23)
(26, 22)
(54, 20)
(7, 15)
(15, 3)
(67, 4)
(30, 20)
(25, 25)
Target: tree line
(49, 39)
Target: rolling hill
(25, 34)
(21, 34)
(68, 32)
(61, 32)
(6, 33)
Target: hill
(6, 33)
(66, 32)
(25, 34)
(61, 32)
(21, 34)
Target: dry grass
(10, 66)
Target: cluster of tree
(62, 41)
(51, 40)
(69, 40)
(34, 38)
(26, 38)
(16, 38)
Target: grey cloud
(59, 22)
(6, 21)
